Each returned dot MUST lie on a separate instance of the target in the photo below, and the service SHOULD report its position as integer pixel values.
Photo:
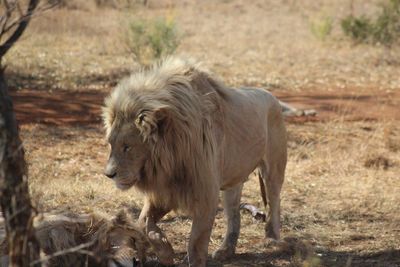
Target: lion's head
(129, 152)
(159, 125)
(132, 136)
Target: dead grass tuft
(392, 139)
(378, 162)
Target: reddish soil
(58, 108)
(347, 105)
(72, 108)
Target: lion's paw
(163, 248)
(223, 253)
(271, 243)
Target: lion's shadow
(330, 258)
(293, 251)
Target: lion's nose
(110, 175)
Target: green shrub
(358, 29)
(321, 27)
(152, 39)
(384, 29)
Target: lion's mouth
(125, 184)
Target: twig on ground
(289, 111)
(255, 212)
(79, 248)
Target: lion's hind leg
(272, 182)
(231, 202)
(272, 171)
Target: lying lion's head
(111, 243)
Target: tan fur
(109, 241)
(179, 135)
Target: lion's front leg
(200, 237)
(148, 218)
(231, 201)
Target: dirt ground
(82, 107)
(342, 188)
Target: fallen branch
(256, 213)
(289, 111)
(79, 249)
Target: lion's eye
(126, 148)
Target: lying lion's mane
(59, 233)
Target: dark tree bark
(14, 194)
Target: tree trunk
(14, 194)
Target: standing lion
(179, 136)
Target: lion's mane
(183, 163)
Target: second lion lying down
(76, 240)
(180, 136)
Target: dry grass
(80, 48)
(334, 207)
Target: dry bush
(150, 40)
(384, 29)
(321, 27)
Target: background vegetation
(150, 40)
(383, 28)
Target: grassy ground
(340, 198)
(339, 202)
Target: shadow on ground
(44, 80)
(63, 107)
(59, 107)
(294, 252)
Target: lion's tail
(262, 189)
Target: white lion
(179, 136)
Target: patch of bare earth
(84, 107)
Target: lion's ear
(151, 123)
